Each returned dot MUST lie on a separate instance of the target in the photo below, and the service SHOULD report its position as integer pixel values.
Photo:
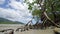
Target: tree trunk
(51, 20)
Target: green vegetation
(6, 21)
(48, 11)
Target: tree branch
(50, 20)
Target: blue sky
(15, 10)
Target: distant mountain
(6, 21)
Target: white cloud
(18, 5)
(2, 1)
(14, 15)
(19, 12)
(9, 13)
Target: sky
(15, 10)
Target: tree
(46, 10)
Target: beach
(30, 31)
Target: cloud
(2, 1)
(18, 5)
(16, 11)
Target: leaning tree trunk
(51, 20)
(44, 14)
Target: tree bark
(51, 20)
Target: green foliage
(6, 21)
(48, 3)
(30, 7)
(36, 12)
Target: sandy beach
(47, 31)
(30, 31)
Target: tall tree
(45, 10)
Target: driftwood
(22, 28)
(56, 31)
(18, 29)
(9, 32)
(26, 27)
(6, 31)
